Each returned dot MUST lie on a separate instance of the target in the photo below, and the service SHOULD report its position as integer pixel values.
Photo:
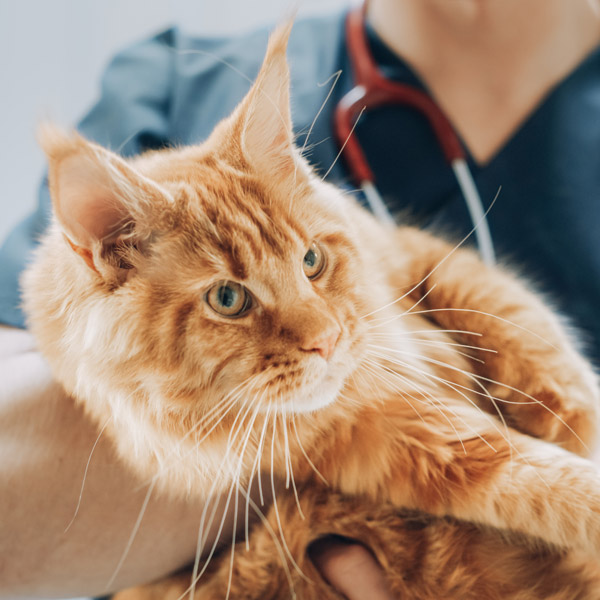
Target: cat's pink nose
(323, 344)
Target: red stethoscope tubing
(372, 90)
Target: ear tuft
(278, 40)
(267, 137)
(58, 143)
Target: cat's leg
(458, 462)
(430, 558)
(543, 385)
(540, 491)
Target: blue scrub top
(173, 89)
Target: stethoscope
(372, 90)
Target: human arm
(45, 443)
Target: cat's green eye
(229, 299)
(314, 261)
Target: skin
(493, 61)
(505, 55)
(44, 448)
(339, 560)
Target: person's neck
(488, 62)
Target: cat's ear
(266, 124)
(100, 201)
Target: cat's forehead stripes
(248, 224)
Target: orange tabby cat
(228, 313)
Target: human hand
(350, 568)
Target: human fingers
(350, 568)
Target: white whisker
(344, 144)
(438, 265)
(487, 314)
(289, 461)
(256, 469)
(453, 386)
(87, 466)
(431, 342)
(216, 413)
(236, 480)
(434, 402)
(476, 377)
(260, 451)
(276, 541)
(335, 76)
(136, 528)
(469, 401)
(275, 507)
(196, 574)
(310, 462)
(429, 375)
(235, 512)
(421, 299)
(373, 373)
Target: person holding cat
(516, 79)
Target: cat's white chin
(306, 403)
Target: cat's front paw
(559, 404)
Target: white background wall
(52, 53)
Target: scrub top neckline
(396, 68)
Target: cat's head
(223, 272)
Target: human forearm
(45, 443)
